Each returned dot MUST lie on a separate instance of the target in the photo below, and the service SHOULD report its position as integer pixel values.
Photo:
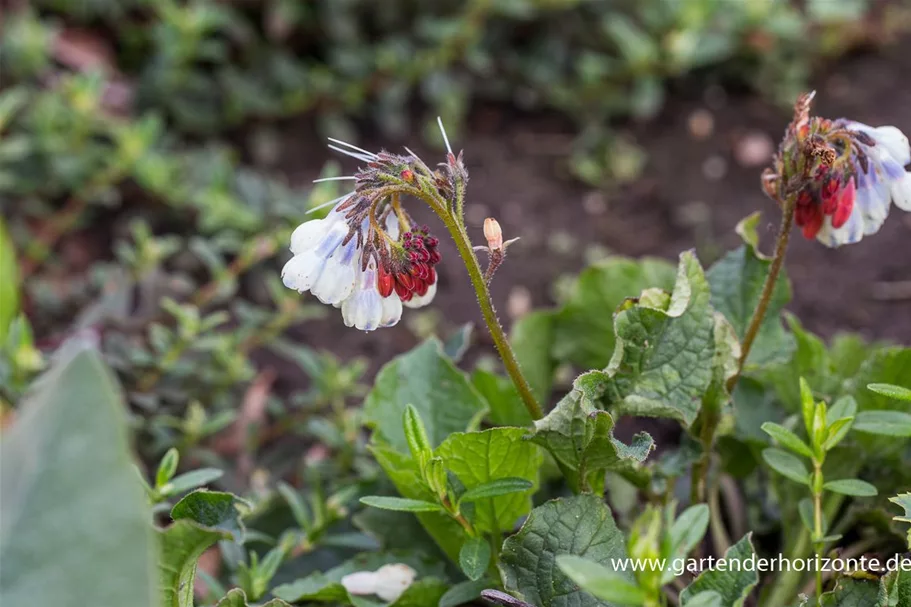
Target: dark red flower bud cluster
(829, 194)
(413, 273)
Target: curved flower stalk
(369, 258)
(845, 176)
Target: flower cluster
(367, 256)
(845, 175)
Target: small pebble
(754, 149)
(715, 168)
(701, 124)
(694, 213)
(475, 213)
(518, 304)
(594, 203)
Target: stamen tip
(443, 131)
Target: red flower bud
(384, 282)
(845, 205)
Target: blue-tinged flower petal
(873, 207)
(894, 141)
(303, 270)
(392, 311)
(336, 282)
(852, 231)
(364, 307)
(901, 192)
(333, 238)
(307, 234)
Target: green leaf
(531, 339)
(733, 583)
(479, 458)
(844, 407)
(851, 486)
(896, 392)
(709, 598)
(9, 286)
(580, 437)
(212, 509)
(819, 426)
(474, 557)
(237, 598)
(665, 356)
(837, 431)
(886, 423)
(182, 543)
(402, 470)
(464, 592)
(400, 504)
(192, 480)
(903, 500)
(457, 344)
(896, 586)
(583, 328)
(600, 581)
(167, 467)
(581, 525)
(737, 280)
(496, 488)
(849, 592)
(807, 405)
(416, 435)
(689, 529)
(76, 523)
(326, 587)
(506, 406)
(440, 393)
(786, 464)
(787, 439)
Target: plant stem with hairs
(476, 275)
(781, 248)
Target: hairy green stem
(476, 274)
(781, 247)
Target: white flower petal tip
(901, 192)
(895, 142)
(308, 234)
(392, 311)
(302, 271)
(388, 582)
(422, 300)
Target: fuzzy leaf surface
(581, 525)
(665, 356)
(478, 458)
(580, 436)
(426, 379)
(734, 586)
(71, 502)
(584, 326)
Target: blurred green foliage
(119, 125)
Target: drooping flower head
(368, 256)
(845, 175)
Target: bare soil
(699, 182)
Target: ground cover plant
(644, 442)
